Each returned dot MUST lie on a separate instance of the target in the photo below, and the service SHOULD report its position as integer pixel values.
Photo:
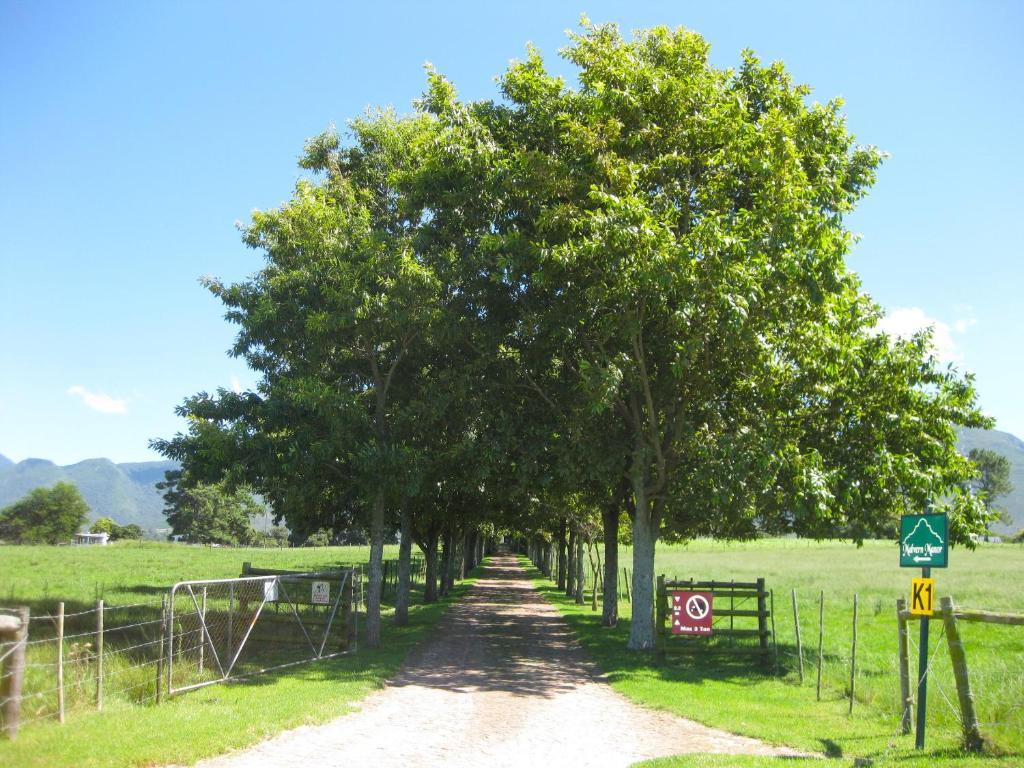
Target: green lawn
(731, 692)
(132, 730)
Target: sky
(134, 136)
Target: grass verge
(224, 717)
(737, 696)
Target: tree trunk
(373, 592)
(402, 598)
(446, 560)
(580, 545)
(610, 597)
(570, 565)
(561, 555)
(464, 565)
(430, 555)
(645, 534)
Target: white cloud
(904, 322)
(98, 401)
(236, 385)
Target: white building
(90, 538)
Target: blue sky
(134, 135)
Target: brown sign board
(691, 613)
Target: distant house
(986, 538)
(90, 538)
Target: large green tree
(676, 231)
(208, 513)
(332, 324)
(44, 516)
(992, 478)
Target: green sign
(924, 541)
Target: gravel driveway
(501, 682)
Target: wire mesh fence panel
(223, 629)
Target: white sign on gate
(321, 593)
(270, 591)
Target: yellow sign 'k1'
(922, 596)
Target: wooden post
(906, 700)
(60, 662)
(732, 605)
(821, 636)
(99, 655)
(799, 644)
(853, 654)
(775, 643)
(161, 646)
(972, 734)
(659, 612)
(762, 619)
(14, 675)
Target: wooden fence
(732, 600)
(950, 616)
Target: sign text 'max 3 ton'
(924, 541)
(691, 613)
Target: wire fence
(81, 659)
(74, 658)
(231, 628)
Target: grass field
(131, 572)
(733, 693)
(131, 730)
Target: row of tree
(568, 306)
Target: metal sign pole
(922, 672)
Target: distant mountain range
(127, 492)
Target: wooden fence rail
(950, 615)
(721, 591)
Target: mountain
(5, 462)
(1013, 449)
(125, 492)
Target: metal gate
(224, 629)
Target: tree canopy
(44, 516)
(569, 303)
(208, 513)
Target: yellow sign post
(922, 596)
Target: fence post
(659, 612)
(972, 735)
(821, 636)
(60, 662)
(161, 645)
(203, 634)
(853, 654)
(762, 619)
(799, 644)
(14, 677)
(775, 642)
(906, 702)
(99, 655)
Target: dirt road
(502, 682)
